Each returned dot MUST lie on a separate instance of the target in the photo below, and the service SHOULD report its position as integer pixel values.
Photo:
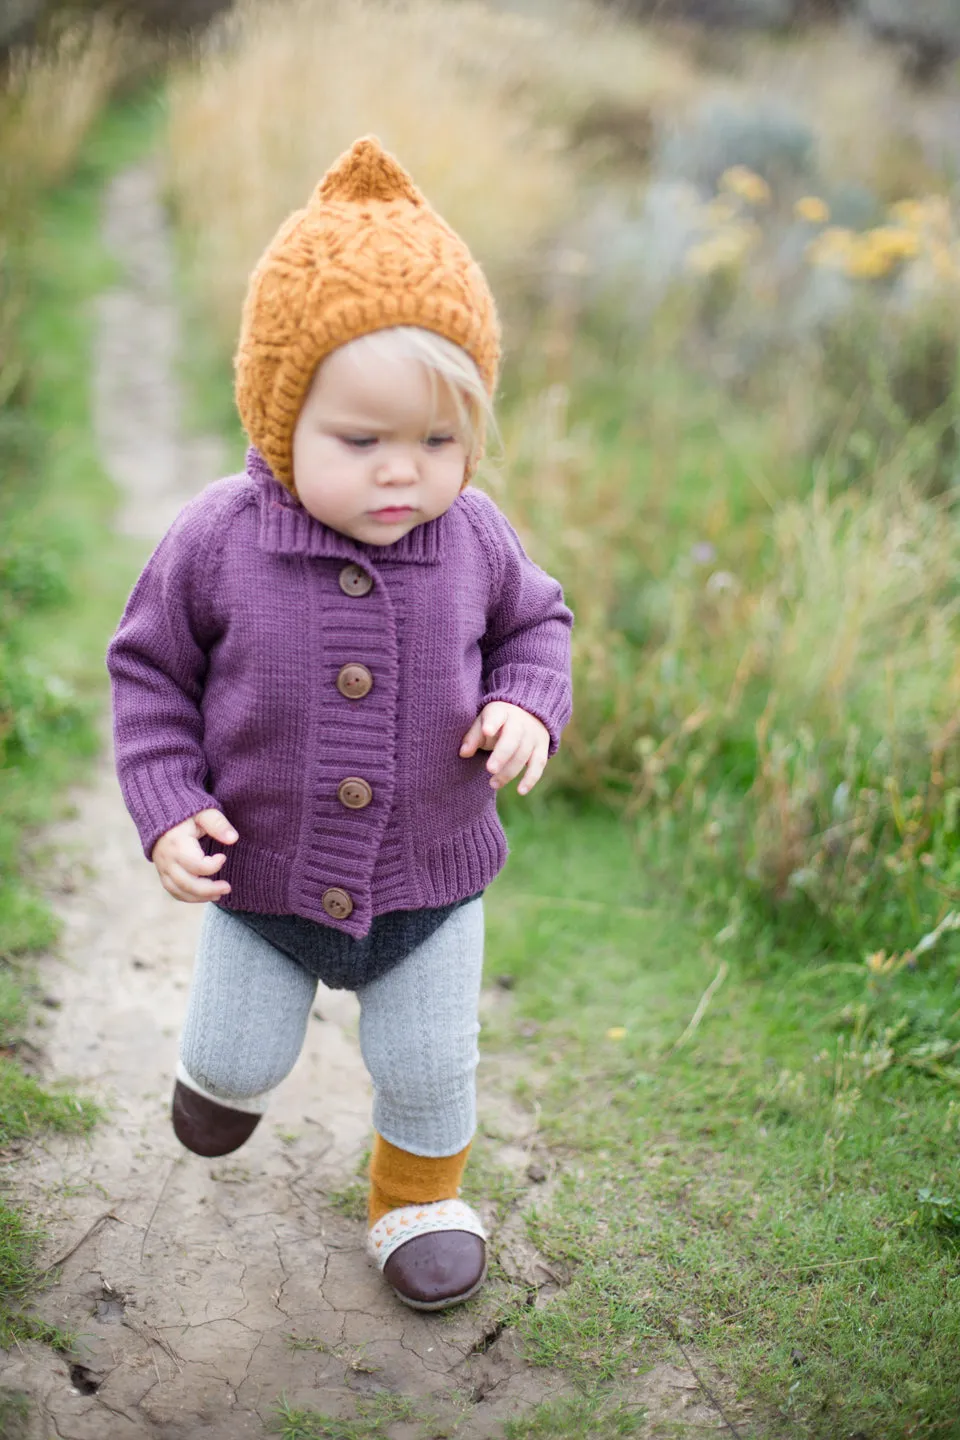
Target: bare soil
(200, 1292)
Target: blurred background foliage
(729, 263)
(725, 238)
(48, 102)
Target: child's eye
(436, 442)
(359, 442)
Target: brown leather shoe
(432, 1272)
(205, 1126)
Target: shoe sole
(446, 1304)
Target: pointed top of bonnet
(367, 172)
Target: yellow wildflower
(724, 250)
(868, 256)
(747, 184)
(868, 261)
(895, 241)
(616, 1032)
(833, 246)
(812, 209)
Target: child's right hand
(182, 865)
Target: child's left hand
(516, 738)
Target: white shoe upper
(398, 1226)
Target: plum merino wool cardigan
(224, 673)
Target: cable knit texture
(225, 673)
(366, 254)
(248, 1011)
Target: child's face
(377, 447)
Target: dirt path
(186, 1280)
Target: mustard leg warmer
(399, 1178)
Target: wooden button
(354, 793)
(354, 681)
(354, 580)
(336, 903)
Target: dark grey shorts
(340, 961)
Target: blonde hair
(446, 364)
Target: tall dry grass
(765, 646)
(50, 97)
(473, 101)
(48, 101)
(771, 679)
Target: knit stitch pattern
(366, 253)
(225, 670)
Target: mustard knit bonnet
(368, 252)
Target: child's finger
(215, 823)
(535, 768)
(512, 766)
(194, 887)
(505, 750)
(468, 746)
(494, 718)
(205, 865)
(189, 853)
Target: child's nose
(397, 467)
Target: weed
(940, 1210)
(14, 1414)
(372, 1418)
(307, 1342)
(582, 1417)
(351, 1199)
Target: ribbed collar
(287, 529)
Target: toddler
(306, 673)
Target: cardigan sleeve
(526, 649)
(157, 662)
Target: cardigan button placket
(337, 903)
(354, 681)
(354, 793)
(355, 581)
(345, 820)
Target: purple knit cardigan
(224, 672)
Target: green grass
(63, 579)
(371, 1422)
(578, 1418)
(14, 1413)
(753, 1189)
(740, 1172)
(56, 508)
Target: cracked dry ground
(185, 1281)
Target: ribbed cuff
(542, 693)
(159, 795)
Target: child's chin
(374, 533)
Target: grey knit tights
(249, 1006)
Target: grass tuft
(56, 546)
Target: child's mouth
(391, 514)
